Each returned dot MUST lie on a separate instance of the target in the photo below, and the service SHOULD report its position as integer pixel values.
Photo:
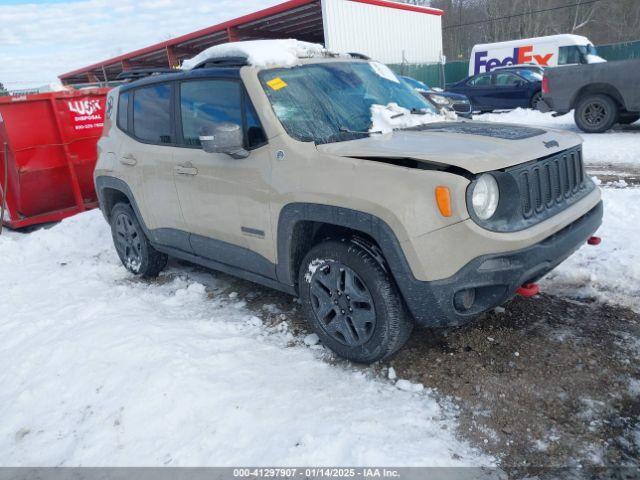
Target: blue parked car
(452, 101)
(502, 89)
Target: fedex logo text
(520, 55)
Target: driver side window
(569, 55)
(203, 103)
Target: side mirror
(224, 137)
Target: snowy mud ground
(552, 381)
(98, 368)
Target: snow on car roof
(261, 53)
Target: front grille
(551, 183)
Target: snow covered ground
(609, 272)
(97, 368)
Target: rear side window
(152, 113)
(203, 103)
(123, 111)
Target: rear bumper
(494, 278)
(544, 106)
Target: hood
(473, 146)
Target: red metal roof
(300, 19)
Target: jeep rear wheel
(352, 303)
(133, 247)
(596, 113)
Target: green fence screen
(432, 74)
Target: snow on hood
(387, 118)
(260, 53)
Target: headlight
(485, 196)
(439, 99)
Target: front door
(479, 91)
(225, 200)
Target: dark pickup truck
(602, 94)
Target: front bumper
(462, 109)
(494, 278)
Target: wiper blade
(346, 130)
(413, 111)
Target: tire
(352, 303)
(535, 100)
(596, 113)
(133, 247)
(628, 118)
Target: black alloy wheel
(343, 304)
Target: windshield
(576, 54)
(331, 102)
(588, 50)
(417, 84)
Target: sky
(41, 39)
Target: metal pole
(6, 182)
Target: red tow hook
(528, 290)
(594, 241)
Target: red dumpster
(50, 143)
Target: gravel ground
(544, 382)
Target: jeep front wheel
(596, 113)
(133, 247)
(352, 303)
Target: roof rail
(221, 62)
(138, 73)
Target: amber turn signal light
(443, 199)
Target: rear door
(225, 200)
(510, 91)
(151, 151)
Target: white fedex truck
(548, 51)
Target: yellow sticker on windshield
(277, 83)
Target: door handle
(186, 169)
(129, 159)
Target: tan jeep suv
(281, 175)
